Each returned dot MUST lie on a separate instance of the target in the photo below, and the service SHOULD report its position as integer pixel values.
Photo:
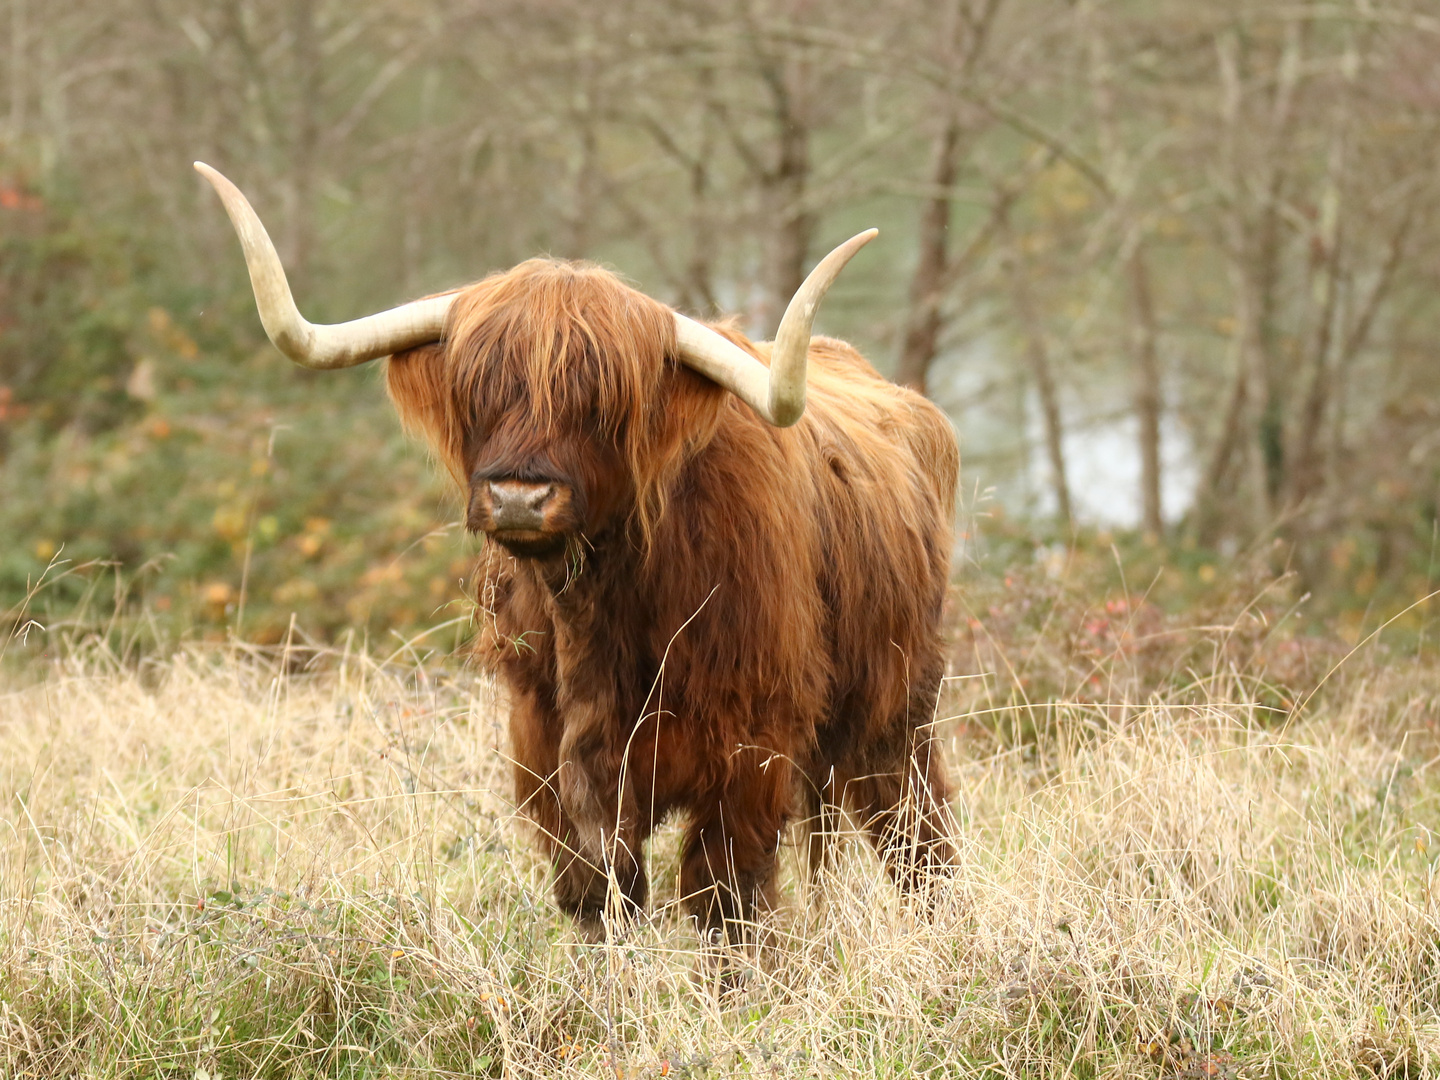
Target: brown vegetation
(225, 864)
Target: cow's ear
(682, 423)
(419, 388)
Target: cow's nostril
(519, 506)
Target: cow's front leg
(729, 857)
(535, 730)
(598, 797)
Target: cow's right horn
(776, 393)
(309, 345)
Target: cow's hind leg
(906, 813)
(822, 823)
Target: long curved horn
(310, 345)
(777, 393)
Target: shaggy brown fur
(716, 616)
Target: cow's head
(554, 399)
(556, 395)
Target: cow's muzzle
(532, 518)
(516, 506)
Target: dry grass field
(233, 864)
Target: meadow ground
(228, 863)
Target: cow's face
(534, 487)
(554, 402)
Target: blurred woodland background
(1173, 266)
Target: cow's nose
(516, 505)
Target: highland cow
(712, 574)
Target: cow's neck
(598, 578)
(600, 613)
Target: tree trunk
(1267, 269)
(699, 268)
(1148, 399)
(18, 89)
(1038, 359)
(1217, 485)
(927, 286)
(1256, 183)
(1264, 341)
(783, 175)
(787, 221)
(1306, 470)
(306, 138)
(1327, 265)
(965, 37)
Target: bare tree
(1228, 211)
(1031, 328)
(964, 38)
(1149, 401)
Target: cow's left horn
(310, 345)
(777, 394)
